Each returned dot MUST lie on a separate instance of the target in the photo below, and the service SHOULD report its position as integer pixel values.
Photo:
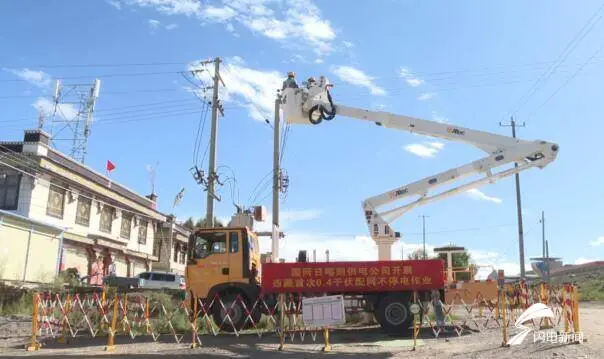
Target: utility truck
(226, 261)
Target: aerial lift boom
(314, 104)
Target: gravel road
(355, 343)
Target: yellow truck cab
(224, 261)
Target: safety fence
(62, 316)
(471, 310)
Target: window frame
(208, 247)
(234, 234)
(78, 219)
(53, 188)
(112, 213)
(142, 223)
(6, 187)
(124, 216)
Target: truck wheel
(237, 313)
(393, 314)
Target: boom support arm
(315, 105)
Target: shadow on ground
(244, 346)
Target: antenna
(73, 106)
(152, 172)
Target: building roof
(56, 158)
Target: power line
(568, 80)
(38, 168)
(105, 76)
(57, 66)
(570, 47)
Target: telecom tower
(71, 116)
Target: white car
(161, 280)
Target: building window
(9, 190)
(183, 254)
(157, 249)
(142, 232)
(56, 201)
(83, 211)
(176, 250)
(234, 242)
(106, 219)
(126, 225)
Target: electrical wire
(42, 66)
(38, 168)
(568, 80)
(570, 47)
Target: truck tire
(237, 313)
(393, 313)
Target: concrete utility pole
(212, 176)
(276, 178)
(518, 201)
(424, 233)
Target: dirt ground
(352, 343)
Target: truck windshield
(205, 244)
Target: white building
(90, 216)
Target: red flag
(110, 166)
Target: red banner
(353, 276)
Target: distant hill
(589, 278)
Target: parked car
(123, 282)
(162, 280)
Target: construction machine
(225, 262)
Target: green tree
(201, 223)
(460, 260)
(418, 254)
(189, 223)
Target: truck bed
(353, 277)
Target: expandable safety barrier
(108, 314)
(482, 305)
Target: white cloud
(116, 4)
(479, 195)
(278, 20)
(171, 7)
(583, 260)
(426, 96)
(171, 26)
(153, 23)
(357, 77)
(496, 261)
(65, 110)
(409, 78)
(319, 61)
(218, 14)
(597, 242)
(230, 27)
(37, 78)
(247, 87)
(287, 218)
(439, 118)
(341, 247)
(426, 149)
(348, 44)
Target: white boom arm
(302, 106)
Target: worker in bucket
(310, 82)
(290, 82)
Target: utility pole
(424, 233)
(212, 176)
(276, 178)
(513, 124)
(544, 245)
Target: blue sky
(470, 63)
